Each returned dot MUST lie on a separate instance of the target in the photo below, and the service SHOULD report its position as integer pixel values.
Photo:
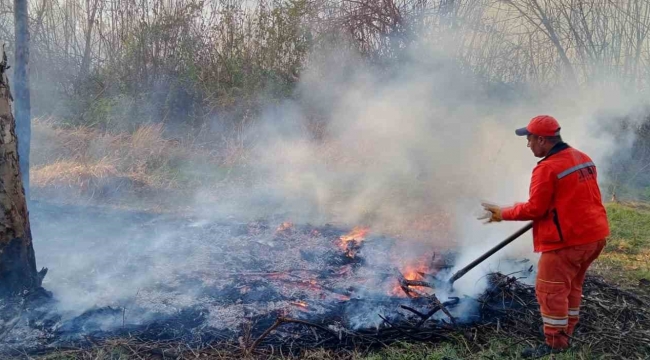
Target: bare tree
(17, 260)
(539, 15)
(221, 52)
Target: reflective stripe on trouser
(559, 289)
(554, 321)
(574, 317)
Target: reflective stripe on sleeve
(558, 322)
(574, 312)
(574, 169)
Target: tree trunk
(17, 261)
(85, 61)
(21, 84)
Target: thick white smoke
(419, 142)
(410, 151)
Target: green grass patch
(626, 259)
(408, 351)
(623, 269)
(498, 348)
(630, 228)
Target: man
(569, 228)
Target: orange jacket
(565, 202)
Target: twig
(407, 282)
(277, 323)
(443, 308)
(423, 316)
(401, 279)
(282, 320)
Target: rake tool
(449, 284)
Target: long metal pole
(21, 89)
(490, 252)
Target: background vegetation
(193, 75)
(136, 96)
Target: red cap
(542, 125)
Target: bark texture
(17, 261)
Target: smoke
(422, 143)
(410, 151)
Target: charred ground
(267, 287)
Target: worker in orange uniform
(569, 228)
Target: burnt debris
(286, 287)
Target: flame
(353, 238)
(411, 272)
(287, 225)
(302, 306)
(358, 234)
(300, 303)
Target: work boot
(539, 351)
(541, 332)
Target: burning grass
(311, 299)
(351, 242)
(234, 275)
(614, 324)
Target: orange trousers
(558, 287)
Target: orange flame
(411, 272)
(300, 303)
(287, 225)
(414, 273)
(358, 234)
(302, 306)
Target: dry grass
(70, 173)
(82, 163)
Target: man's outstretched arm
(541, 193)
